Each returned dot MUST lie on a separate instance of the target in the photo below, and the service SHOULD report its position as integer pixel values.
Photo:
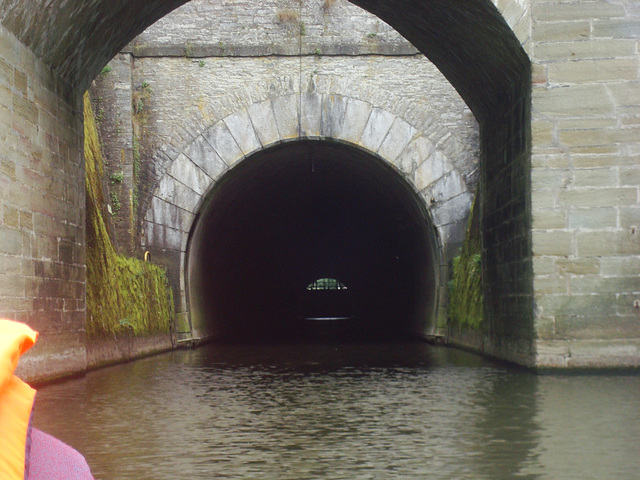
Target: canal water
(368, 411)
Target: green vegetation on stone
(465, 288)
(124, 295)
(116, 177)
(115, 202)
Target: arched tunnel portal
(304, 211)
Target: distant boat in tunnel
(327, 300)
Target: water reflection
(386, 411)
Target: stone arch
(64, 46)
(458, 144)
(187, 181)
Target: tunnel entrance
(305, 214)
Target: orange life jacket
(16, 399)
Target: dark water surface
(374, 411)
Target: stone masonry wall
(585, 150)
(586, 182)
(188, 73)
(42, 254)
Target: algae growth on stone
(465, 287)
(124, 295)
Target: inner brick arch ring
(186, 183)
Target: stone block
(334, 109)
(543, 265)
(12, 285)
(377, 128)
(416, 153)
(285, 109)
(202, 154)
(598, 197)
(625, 93)
(560, 31)
(567, 11)
(620, 242)
(543, 199)
(594, 160)
(6, 95)
(620, 266)
(549, 178)
(547, 219)
(551, 160)
(190, 174)
(431, 169)
(220, 138)
(452, 237)
(619, 28)
(630, 218)
(452, 210)
(65, 252)
(551, 353)
(10, 217)
(399, 136)
(448, 186)
(578, 266)
(604, 285)
(567, 305)
(595, 177)
(172, 238)
(164, 213)
(629, 176)
(550, 285)
(14, 265)
(613, 353)
(601, 136)
(597, 327)
(583, 71)
(20, 82)
(573, 101)
(593, 49)
(628, 305)
(593, 218)
(588, 123)
(241, 128)
(174, 192)
(356, 117)
(311, 114)
(556, 242)
(6, 73)
(264, 122)
(10, 241)
(541, 133)
(25, 109)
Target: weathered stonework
(42, 267)
(568, 265)
(584, 196)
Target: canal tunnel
(312, 240)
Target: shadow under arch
(303, 210)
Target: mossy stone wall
(124, 295)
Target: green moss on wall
(465, 287)
(124, 295)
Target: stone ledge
(553, 355)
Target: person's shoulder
(52, 459)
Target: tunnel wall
(187, 181)
(42, 253)
(302, 210)
(585, 180)
(192, 82)
(584, 149)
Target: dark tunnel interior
(304, 212)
